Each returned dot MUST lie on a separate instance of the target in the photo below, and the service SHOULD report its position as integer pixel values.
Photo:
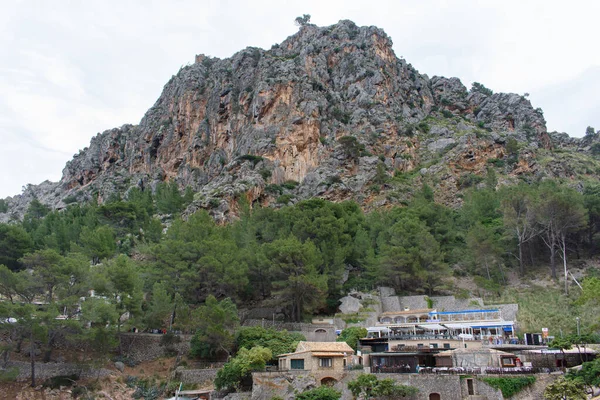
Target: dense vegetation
(509, 386)
(294, 257)
(367, 386)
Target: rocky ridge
(330, 112)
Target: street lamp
(577, 319)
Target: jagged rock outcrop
(331, 109)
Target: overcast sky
(71, 69)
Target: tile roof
(324, 347)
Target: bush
(341, 116)
(62, 380)
(249, 157)
(278, 342)
(265, 173)
(130, 362)
(496, 162)
(320, 393)
(351, 146)
(352, 335)
(273, 189)
(9, 375)
(509, 386)
(237, 371)
(469, 180)
(478, 87)
(70, 199)
(447, 114)
(290, 185)
(284, 199)
(369, 386)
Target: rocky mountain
(330, 112)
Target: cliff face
(331, 108)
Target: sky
(72, 69)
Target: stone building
(326, 360)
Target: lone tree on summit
(303, 20)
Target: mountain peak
(330, 109)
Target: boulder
(350, 305)
(119, 366)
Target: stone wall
(44, 371)
(312, 332)
(450, 387)
(481, 389)
(146, 347)
(195, 376)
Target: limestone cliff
(331, 109)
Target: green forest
(158, 268)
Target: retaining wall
(146, 346)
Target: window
(325, 362)
(297, 364)
(446, 345)
(419, 345)
(508, 362)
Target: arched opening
(328, 381)
(321, 331)
(435, 396)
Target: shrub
(509, 386)
(369, 386)
(273, 189)
(265, 173)
(478, 87)
(9, 375)
(589, 131)
(447, 114)
(320, 393)
(352, 335)
(424, 127)
(496, 162)
(252, 158)
(409, 130)
(469, 180)
(70, 199)
(340, 115)
(62, 380)
(238, 369)
(284, 199)
(351, 146)
(290, 185)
